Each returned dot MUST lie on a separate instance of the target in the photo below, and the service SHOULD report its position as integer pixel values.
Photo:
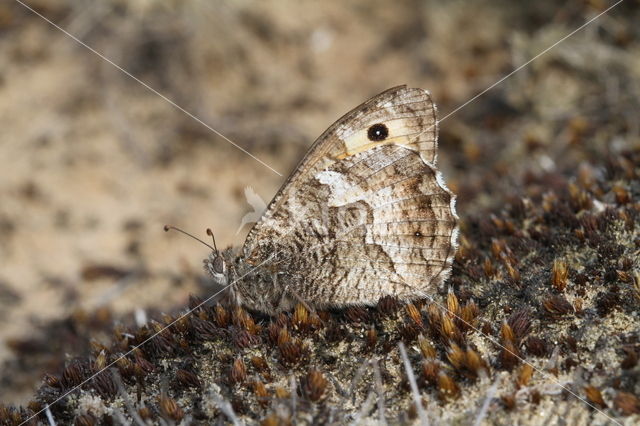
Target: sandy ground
(94, 163)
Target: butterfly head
(216, 266)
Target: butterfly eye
(218, 265)
(378, 132)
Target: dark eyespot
(418, 234)
(378, 132)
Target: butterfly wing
(365, 213)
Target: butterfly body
(365, 214)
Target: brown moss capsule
(580, 199)
(241, 318)
(239, 404)
(461, 254)
(535, 397)
(85, 420)
(273, 330)
(388, 305)
(475, 363)
(594, 396)
(622, 195)
(412, 409)
(145, 413)
(275, 420)
(52, 380)
(300, 317)
(526, 372)
(259, 363)
(456, 356)
(556, 305)
(627, 403)
(104, 385)
(414, 314)
(606, 302)
(187, 379)
(97, 347)
(431, 371)
(182, 324)
(506, 333)
(357, 314)
(499, 223)
(559, 273)
(513, 272)
(72, 376)
(243, 339)
(314, 385)
(409, 331)
(262, 395)
(624, 276)
(435, 318)
(488, 268)
(577, 305)
(486, 328)
(509, 401)
(125, 367)
(204, 329)
(636, 285)
(449, 329)
(170, 408)
(283, 320)
(468, 315)
(221, 316)
(35, 406)
(291, 352)
(520, 323)
(549, 200)
(142, 366)
(238, 373)
(203, 315)
(630, 360)
(453, 306)
(426, 348)
(282, 393)
(536, 346)
(372, 338)
(283, 336)
(447, 387)
(498, 248)
(508, 356)
(571, 343)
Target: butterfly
(365, 214)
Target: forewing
(410, 117)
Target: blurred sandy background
(93, 164)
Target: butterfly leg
(287, 297)
(280, 301)
(301, 300)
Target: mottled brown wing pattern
(389, 229)
(363, 216)
(411, 117)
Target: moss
(542, 344)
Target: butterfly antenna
(167, 228)
(210, 233)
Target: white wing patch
(342, 191)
